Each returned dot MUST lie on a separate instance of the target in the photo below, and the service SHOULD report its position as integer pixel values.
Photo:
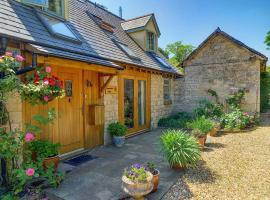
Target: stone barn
(223, 64)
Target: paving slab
(100, 179)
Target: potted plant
(118, 132)
(216, 128)
(155, 172)
(200, 136)
(47, 151)
(137, 181)
(203, 124)
(179, 148)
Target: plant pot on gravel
(179, 148)
(47, 151)
(137, 181)
(118, 132)
(155, 172)
(201, 137)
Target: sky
(191, 21)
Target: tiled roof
(226, 35)
(21, 22)
(136, 22)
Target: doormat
(80, 160)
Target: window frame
(40, 14)
(63, 9)
(167, 101)
(148, 41)
(118, 43)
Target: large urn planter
(138, 190)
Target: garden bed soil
(238, 131)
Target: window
(40, 3)
(161, 61)
(127, 50)
(57, 27)
(57, 7)
(151, 41)
(167, 91)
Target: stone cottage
(223, 64)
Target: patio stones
(100, 179)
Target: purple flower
(138, 166)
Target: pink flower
(46, 82)
(8, 54)
(46, 98)
(48, 69)
(245, 113)
(30, 172)
(19, 58)
(29, 137)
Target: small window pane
(167, 89)
(58, 26)
(56, 6)
(68, 88)
(127, 50)
(151, 41)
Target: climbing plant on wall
(265, 91)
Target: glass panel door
(129, 102)
(141, 102)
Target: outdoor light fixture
(30, 68)
(3, 45)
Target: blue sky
(191, 21)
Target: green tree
(163, 52)
(267, 40)
(178, 52)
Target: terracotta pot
(178, 167)
(213, 132)
(138, 190)
(155, 180)
(202, 140)
(51, 161)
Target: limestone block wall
(14, 107)
(111, 110)
(225, 68)
(179, 95)
(158, 109)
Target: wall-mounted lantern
(3, 45)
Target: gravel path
(233, 166)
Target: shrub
(209, 109)
(203, 124)
(117, 129)
(44, 148)
(265, 91)
(175, 121)
(236, 120)
(179, 148)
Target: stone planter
(119, 141)
(155, 180)
(137, 190)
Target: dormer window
(151, 41)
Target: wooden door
(93, 110)
(70, 119)
(134, 103)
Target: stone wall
(158, 109)
(14, 107)
(111, 110)
(224, 67)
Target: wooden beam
(106, 83)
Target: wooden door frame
(135, 76)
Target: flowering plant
(42, 86)
(136, 173)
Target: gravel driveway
(233, 166)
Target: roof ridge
(111, 13)
(138, 17)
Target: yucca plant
(179, 148)
(203, 124)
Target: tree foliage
(178, 52)
(163, 52)
(267, 39)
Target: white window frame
(148, 41)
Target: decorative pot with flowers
(137, 181)
(46, 151)
(41, 86)
(155, 172)
(118, 132)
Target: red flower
(36, 80)
(52, 82)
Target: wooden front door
(134, 103)
(70, 118)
